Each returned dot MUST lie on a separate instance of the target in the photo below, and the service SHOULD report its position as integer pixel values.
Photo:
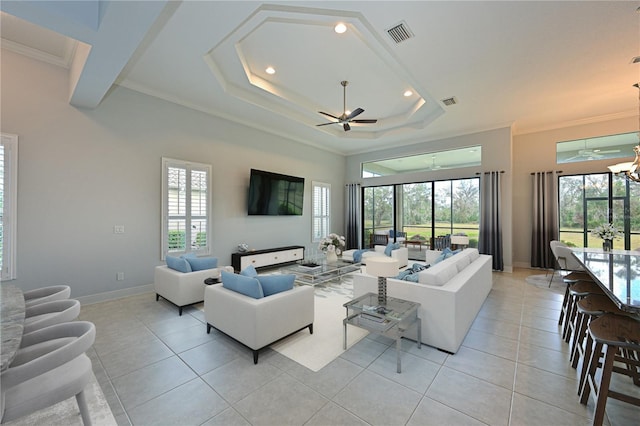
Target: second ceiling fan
(345, 118)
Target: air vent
(635, 60)
(450, 101)
(400, 32)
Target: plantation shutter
(321, 210)
(186, 207)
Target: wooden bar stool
(616, 338)
(577, 291)
(588, 308)
(571, 278)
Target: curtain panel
(545, 218)
(353, 194)
(491, 219)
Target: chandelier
(631, 169)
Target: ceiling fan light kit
(631, 169)
(345, 118)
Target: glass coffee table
(313, 273)
(391, 317)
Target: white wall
(496, 155)
(81, 172)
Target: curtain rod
(553, 171)
(486, 173)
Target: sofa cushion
(462, 262)
(272, 284)
(178, 263)
(473, 254)
(244, 285)
(188, 255)
(202, 263)
(438, 276)
(249, 271)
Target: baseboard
(112, 295)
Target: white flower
(606, 231)
(332, 243)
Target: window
(186, 207)
(8, 205)
(598, 148)
(321, 226)
(586, 201)
(431, 161)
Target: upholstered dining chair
(50, 367)
(46, 294)
(564, 261)
(50, 313)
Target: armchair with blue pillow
(258, 310)
(182, 280)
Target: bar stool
(619, 336)
(50, 313)
(46, 294)
(571, 278)
(588, 308)
(577, 291)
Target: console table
(267, 257)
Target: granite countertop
(12, 319)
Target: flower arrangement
(332, 243)
(606, 231)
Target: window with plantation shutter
(186, 207)
(8, 206)
(321, 225)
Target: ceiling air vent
(635, 60)
(400, 32)
(450, 101)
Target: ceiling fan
(592, 154)
(345, 118)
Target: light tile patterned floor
(158, 368)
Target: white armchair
(183, 288)
(257, 323)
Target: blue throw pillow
(202, 263)
(388, 249)
(412, 277)
(403, 274)
(178, 263)
(190, 254)
(418, 267)
(244, 285)
(249, 271)
(272, 284)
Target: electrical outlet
(120, 276)
(118, 229)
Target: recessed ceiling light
(408, 93)
(340, 28)
(270, 70)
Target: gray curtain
(353, 216)
(491, 219)
(545, 218)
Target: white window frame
(189, 166)
(10, 206)
(317, 233)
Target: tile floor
(157, 368)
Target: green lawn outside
(424, 230)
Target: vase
(332, 257)
(607, 245)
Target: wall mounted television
(274, 194)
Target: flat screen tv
(273, 194)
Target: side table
(391, 318)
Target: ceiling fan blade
(370, 121)
(609, 151)
(356, 112)
(346, 127)
(328, 115)
(326, 124)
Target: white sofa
(450, 294)
(401, 255)
(183, 288)
(257, 323)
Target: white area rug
(316, 350)
(66, 413)
(542, 281)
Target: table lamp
(382, 267)
(459, 240)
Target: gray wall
(81, 172)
